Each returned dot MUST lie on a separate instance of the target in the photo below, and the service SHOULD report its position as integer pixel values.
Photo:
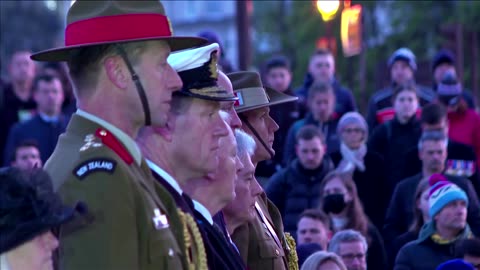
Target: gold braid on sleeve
(292, 252)
(193, 243)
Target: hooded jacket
(425, 253)
(295, 189)
(380, 105)
(345, 102)
(329, 130)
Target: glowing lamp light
(328, 8)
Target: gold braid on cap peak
(193, 243)
(291, 247)
(213, 66)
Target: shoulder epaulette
(111, 142)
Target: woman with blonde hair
(323, 260)
(339, 199)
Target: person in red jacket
(464, 122)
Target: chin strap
(255, 133)
(140, 90)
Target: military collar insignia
(90, 142)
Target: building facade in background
(193, 17)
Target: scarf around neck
(352, 159)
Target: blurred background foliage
(422, 26)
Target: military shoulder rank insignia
(90, 141)
(94, 165)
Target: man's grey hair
(318, 258)
(245, 143)
(432, 136)
(346, 236)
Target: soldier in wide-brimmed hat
(262, 242)
(197, 142)
(117, 54)
(29, 211)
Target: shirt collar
(170, 180)
(204, 211)
(3, 262)
(118, 133)
(48, 119)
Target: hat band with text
(117, 28)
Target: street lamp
(328, 8)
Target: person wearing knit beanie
(352, 146)
(442, 192)
(455, 264)
(439, 238)
(403, 54)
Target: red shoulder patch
(109, 140)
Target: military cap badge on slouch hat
(102, 22)
(251, 93)
(199, 73)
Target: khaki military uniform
(261, 248)
(128, 221)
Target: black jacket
(376, 255)
(424, 253)
(380, 106)
(44, 133)
(374, 203)
(400, 211)
(12, 110)
(295, 189)
(461, 162)
(329, 130)
(220, 254)
(392, 140)
(400, 242)
(345, 102)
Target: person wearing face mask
(394, 138)
(366, 166)
(339, 199)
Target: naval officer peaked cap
(198, 70)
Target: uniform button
(103, 133)
(277, 252)
(171, 252)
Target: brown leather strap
(136, 80)
(268, 225)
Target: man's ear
(116, 71)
